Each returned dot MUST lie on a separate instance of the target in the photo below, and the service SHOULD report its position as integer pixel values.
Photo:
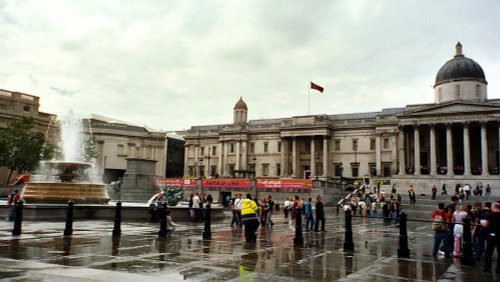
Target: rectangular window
(265, 169)
(373, 169)
(191, 171)
(279, 147)
(252, 147)
(308, 147)
(387, 169)
(213, 170)
(231, 169)
(355, 169)
(266, 147)
(278, 169)
(26, 108)
(372, 144)
(336, 145)
(338, 169)
(386, 143)
(202, 151)
(354, 144)
(231, 148)
(214, 150)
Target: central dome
(460, 68)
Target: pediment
(454, 108)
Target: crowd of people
(447, 223)
(253, 213)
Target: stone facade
(454, 140)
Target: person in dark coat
(320, 215)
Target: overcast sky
(174, 64)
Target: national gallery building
(453, 140)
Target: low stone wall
(101, 212)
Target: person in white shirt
(236, 207)
(196, 206)
(286, 207)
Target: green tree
(22, 148)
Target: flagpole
(309, 98)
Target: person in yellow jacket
(249, 218)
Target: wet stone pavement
(42, 253)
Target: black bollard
(163, 221)
(298, 240)
(18, 218)
(207, 233)
(468, 255)
(348, 243)
(117, 230)
(403, 251)
(338, 208)
(68, 230)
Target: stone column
(244, 155)
(219, 158)
(225, 169)
(294, 157)
(283, 158)
(313, 158)
(401, 143)
(186, 164)
(378, 154)
(238, 156)
(433, 165)
(466, 150)
(326, 161)
(416, 144)
(449, 151)
(484, 150)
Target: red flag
(317, 87)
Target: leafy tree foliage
(22, 148)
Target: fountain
(69, 179)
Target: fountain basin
(62, 192)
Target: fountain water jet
(67, 179)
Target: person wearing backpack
(438, 218)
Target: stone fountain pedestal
(62, 192)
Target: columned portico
(326, 160)
(449, 150)
(467, 171)
(433, 149)
(401, 144)
(313, 158)
(416, 145)
(294, 157)
(284, 161)
(378, 154)
(484, 150)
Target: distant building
(453, 140)
(14, 106)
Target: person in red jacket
(13, 199)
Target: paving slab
(42, 253)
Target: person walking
(236, 208)
(434, 192)
(13, 199)
(308, 212)
(458, 229)
(270, 203)
(492, 223)
(440, 228)
(443, 190)
(249, 218)
(320, 214)
(286, 207)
